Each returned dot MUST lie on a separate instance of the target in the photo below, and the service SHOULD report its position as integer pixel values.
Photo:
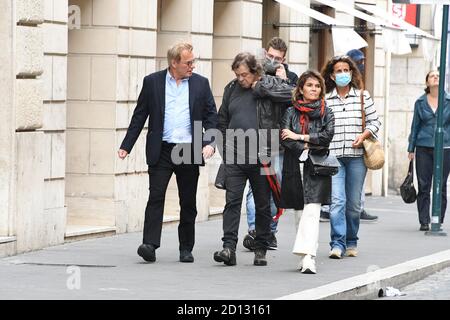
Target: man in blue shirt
(174, 100)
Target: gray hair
(248, 59)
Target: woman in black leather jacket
(308, 126)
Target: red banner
(407, 12)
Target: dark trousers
(424, 170)
(187, 180)
(236, 178)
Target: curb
(367, 285)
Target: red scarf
(305, 108)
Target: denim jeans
(278, 165)
(345, 209)
(326, 207)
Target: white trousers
(307, 222)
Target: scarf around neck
(309, 110)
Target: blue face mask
(343, 79)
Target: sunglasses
(341, 57)
(189, 63)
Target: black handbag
(220, 178)
(326, 165)
(407, 190)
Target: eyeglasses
(189, 63)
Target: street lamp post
(439, 136)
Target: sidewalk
(111, 269)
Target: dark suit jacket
(151, 103)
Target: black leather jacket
(314, 189)
(321, 132)
(272, 94)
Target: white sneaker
(335, 253)
(309, 264)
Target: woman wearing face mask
(343, 83)
(308, 126)
(421, 146)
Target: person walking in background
(358, 57)
(274, 65)
(249, 108)
(421, 146)
(172, 99)
(308, 126)
(343, 82)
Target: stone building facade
(70, 75)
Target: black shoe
(367, 217)
(273, 245)
(227, 256)
(324, 216)
(186, 256)
(260, 257)
(147, 252)
(249, 240)
(424, 227)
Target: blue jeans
(345, 209)
(278, 165)
(326, 208)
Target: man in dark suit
(176, 101)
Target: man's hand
(411, 156)
(255, 82)
(358, 142)
(122, 154)
(281, 72)
(207, 152)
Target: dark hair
(296, 94)
(427, 89)
(328, 70)
(277, 44)
(249, 60)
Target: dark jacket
(315, 189)
(151, 104)
(423, 125)
(292, 77)
(271, 93)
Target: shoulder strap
(363, 112)
(410, 169)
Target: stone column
(192, 21)
(54, 81)
(108, 58)
(407, 84)
(30, 219)
(296, 38)
(237, 28)
(7, 137)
